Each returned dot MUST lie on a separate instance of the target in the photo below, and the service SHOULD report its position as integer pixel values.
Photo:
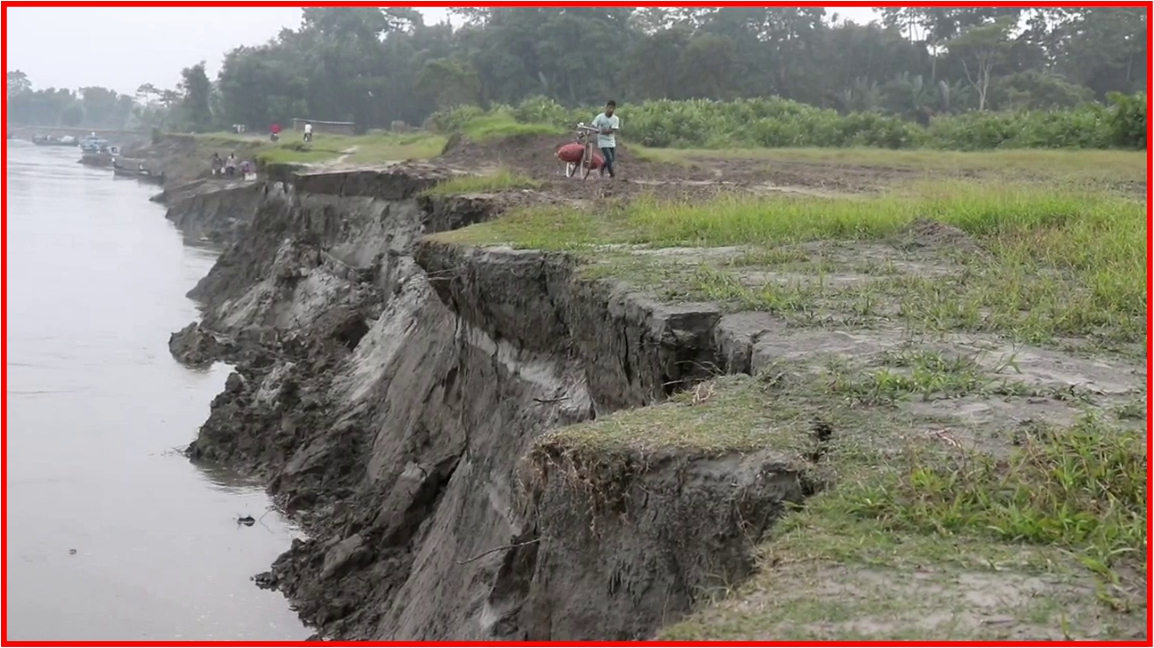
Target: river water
(112, 534)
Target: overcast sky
(122, 47)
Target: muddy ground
(534, 156)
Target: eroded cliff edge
(395, 392)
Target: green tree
(196, 94)
(448, 83)
(73, 115)
(18, 83)
(104, 108)
(980, 50)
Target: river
(112, 533)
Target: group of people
(228, 166)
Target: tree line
(378, 66)
(187, 107)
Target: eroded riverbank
(491, 441)
(112, 535)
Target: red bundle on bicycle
(572, 153)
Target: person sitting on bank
(230, 165)
(216, 163)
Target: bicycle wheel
(587, 161)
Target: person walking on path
(607, 125)
(308, 131)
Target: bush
(1127, 120)
(776, 122)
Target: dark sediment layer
(390, 390)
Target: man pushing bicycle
(607, 125)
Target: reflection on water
(112, 534)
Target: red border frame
(577, 3)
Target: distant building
(331, 127)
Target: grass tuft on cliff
(1036, 531)
(1047, 541)
(729, 414)
(500, 180)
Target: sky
(124, 47)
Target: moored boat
(50, 140)
(139, 173)
(98, 153)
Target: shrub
(1127, 119)
(776, 122)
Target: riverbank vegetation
(779, 123)
(1053, 262)
(943, 77)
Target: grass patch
(729, 414)
(1052, 262)
(389, 147)
(929, 374)
(498, 126)
(916, 539)
(371, 148)
(501, 180)
(1082, 489)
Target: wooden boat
(103, 155)
(137, 174)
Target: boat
(50, 140)
(93, 144)
(139, 173)
(98, 152)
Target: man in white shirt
(607, 125)
(308, 131)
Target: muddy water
(111, 533)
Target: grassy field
(501, 180)
(369, 149)
(985, 475)
(375, 147)
(1048, 262)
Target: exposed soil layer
(397, 393)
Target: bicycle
(585, 136)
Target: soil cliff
(504, 443)
(395, 392)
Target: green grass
(1081, 489)
(501, 180)
(728, 415)
(914, 538)
(498, 126)
(368, 149)
(928, 374)
(1053, 261)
